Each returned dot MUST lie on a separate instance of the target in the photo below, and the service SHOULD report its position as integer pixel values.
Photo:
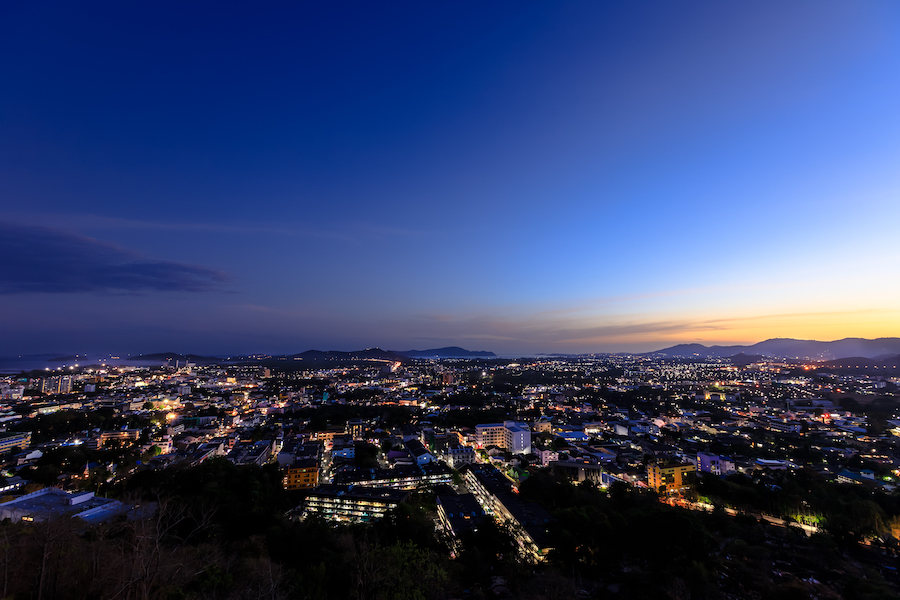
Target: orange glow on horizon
(735, 330)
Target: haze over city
(513, 177)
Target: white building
(457, 456)
(508, 435)
(713, 463)
(547, 456)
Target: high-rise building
(60, 384)
(302, 474)
(669, 478)
(508, 435)
(19, 440)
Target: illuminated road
(703, 506)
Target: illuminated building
(543, 425)
(327, 436)
(669, 478)
(124, 435)
(302, 475)
(461, 455)
(50, 503)
(459, 514)
(57, 385)
(528, 521)
(508, 435)
(356, 428)
(714, 464)
(579, 470)
(402, 478)
(15, 440)
(352, 503)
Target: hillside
(791, 348)
(449, 352)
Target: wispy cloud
(571, 330)
(732, 329)
(53, 261)
(346, 232)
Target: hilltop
(879, 348)
(449, 352)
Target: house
(419, 452)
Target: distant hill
(860, 362)
(330, 355)
(161, 357)
(743, 360)
(318, 357)
(71, 358)
(790, 348)
(449, 352)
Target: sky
(520, 177)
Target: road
(808, 529)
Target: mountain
(367, 354)
(27, 362)
(688, 350)
(161, 357)
(790, 348)
(449, 352)
(317, 357)
(743, 360)
(864, 363)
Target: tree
(411, 572)
(152, 543)
(850, 404)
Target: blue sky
(517, 177)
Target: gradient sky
(230, 178)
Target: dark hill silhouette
(318, 357)
(367, 354)
(742, 360)
(888, 365)
(790, 348)
(162, 357)
(449, 352)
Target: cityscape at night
(447, 301)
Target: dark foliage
(220, 531)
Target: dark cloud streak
(51, 261)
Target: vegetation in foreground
(219, 531)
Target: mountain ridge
(792, 348)
(447, 352)
(323, 355)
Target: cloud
(52, 261)
(341, 231)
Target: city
(490, 447)
(407, 300)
